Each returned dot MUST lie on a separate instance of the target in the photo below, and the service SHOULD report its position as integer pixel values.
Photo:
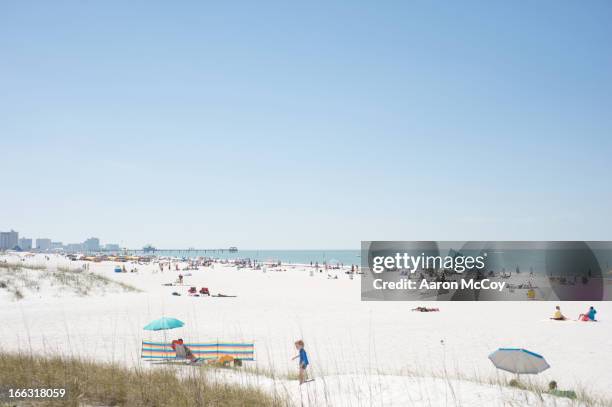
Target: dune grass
(102, 384)
(19, 279)
(68, 269)
(21, 265)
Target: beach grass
(105, 384)
(21, 265)
(19, 279)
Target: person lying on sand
(552, 389)
(425, 309)
(558, 316)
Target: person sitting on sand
(299, 345)
(589, 316)
(558, 316)
(592, 313)
(182, 350)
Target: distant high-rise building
(43, 244)
(92, 244)
(57, 246)
(112, 247)
(9, 240)
(25, 243)
(74, 248)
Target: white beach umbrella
(519, 361)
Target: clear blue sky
(312, 125)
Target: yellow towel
(225, 359)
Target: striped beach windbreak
(208, 351)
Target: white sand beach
(361, 353)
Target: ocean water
(346, 257)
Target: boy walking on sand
(299, 345)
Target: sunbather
(552, 389)
(558, 316)
(425, 309)
(589, 316)
(182, 351)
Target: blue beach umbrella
(164, 323)
(519, 361)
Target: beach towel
(570, 394)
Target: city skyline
(10, 240)
(46, 244)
